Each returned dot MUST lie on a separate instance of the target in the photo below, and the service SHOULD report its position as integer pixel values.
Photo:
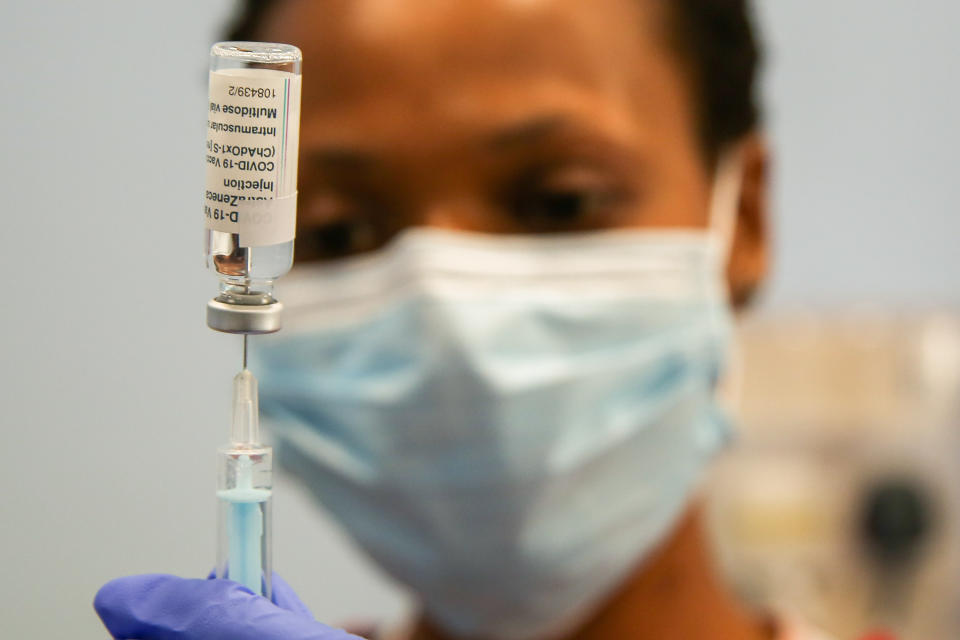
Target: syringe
(250, 204)
(245, 488)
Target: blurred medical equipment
(250, 222)
(842, 502)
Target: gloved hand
(162, 607)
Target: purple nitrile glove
(162, 607)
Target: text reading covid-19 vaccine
(250, 197)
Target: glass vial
(250, 198)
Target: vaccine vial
(250, 196)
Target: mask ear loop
(724, 213)
(725, 202)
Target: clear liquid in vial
(247, 266)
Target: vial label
(253, 134)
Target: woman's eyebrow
(340, 158)
(551, 127)
(527, 131)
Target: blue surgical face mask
(506, 425)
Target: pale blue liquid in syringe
(244, 494)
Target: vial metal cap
(246, 319)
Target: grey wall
(864, 103)
(114, 394)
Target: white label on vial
(253, 135)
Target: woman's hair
(716, 40)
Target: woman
(510, 400)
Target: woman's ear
(749, 255)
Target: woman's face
(498, 116)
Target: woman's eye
(335, 240)
(574, 199)
(561, 207)
(334, 226)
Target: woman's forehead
(435, 20)
(484, 61)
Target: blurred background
(841, 504)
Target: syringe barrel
(250, 198)
(245, 485)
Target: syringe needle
(244, 351)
